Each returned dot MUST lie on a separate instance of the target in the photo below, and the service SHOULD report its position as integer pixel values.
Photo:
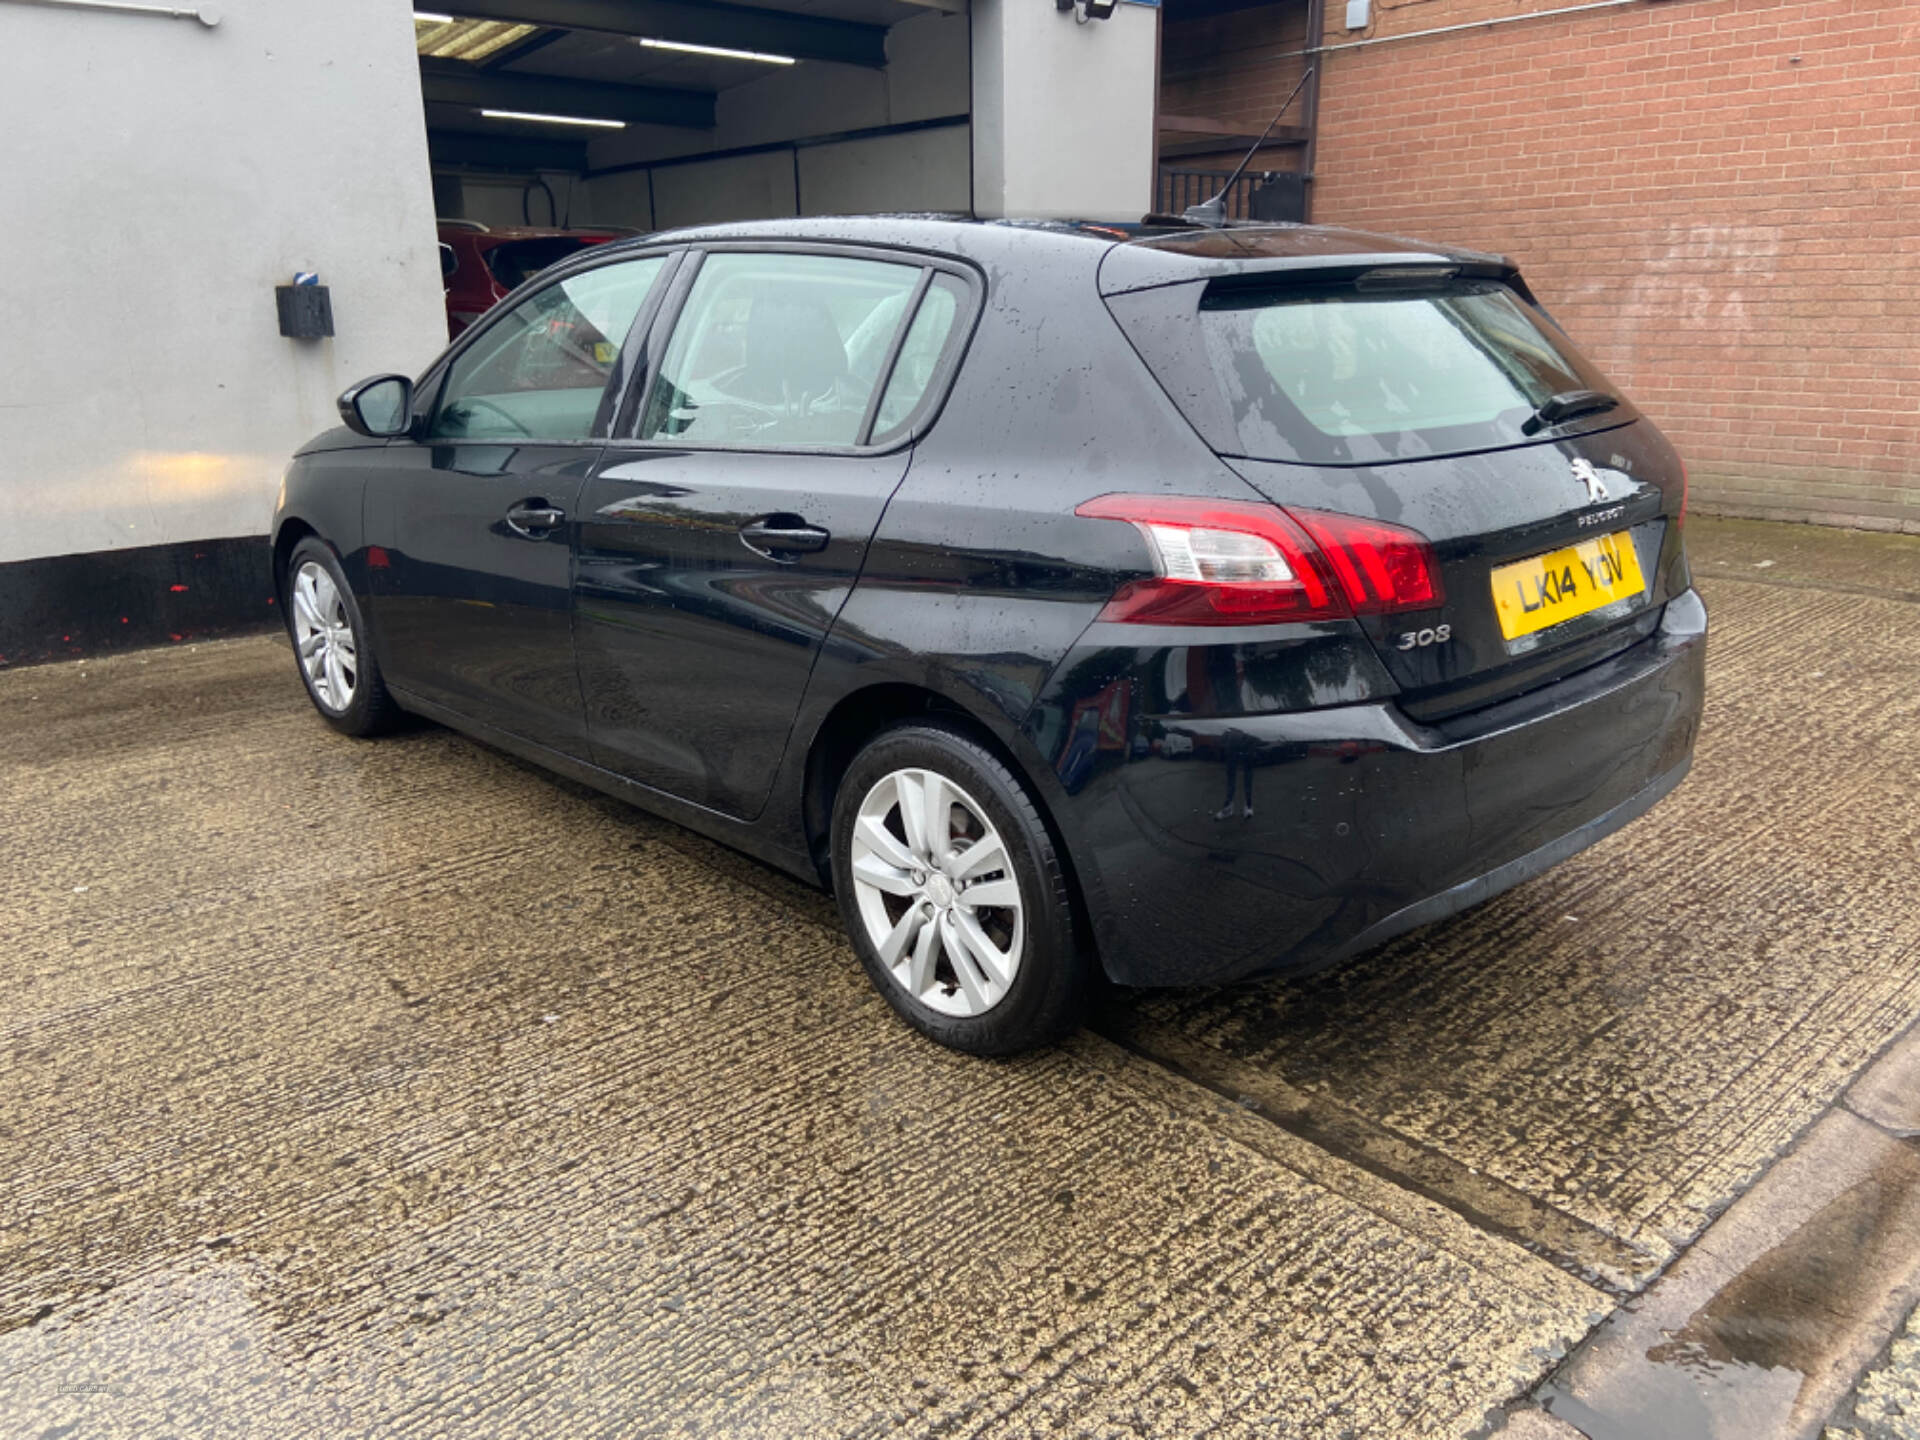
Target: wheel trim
(323, 637)
(933, 882)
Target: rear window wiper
(1567, 405)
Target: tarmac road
(400, 1089)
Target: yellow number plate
(1530, 595)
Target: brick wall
(1720, 199)
(1219, 66)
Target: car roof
(495, 234)
(954, 234)
(1130, 255)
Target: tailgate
(1604, 553)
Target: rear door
(472, 523)
(721, 535)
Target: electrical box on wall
(1359, 13)
(1279, 195)
(306, 308)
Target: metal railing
(1283, 199)
(1181, 188)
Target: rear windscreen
(516, 260)
(1334, 374)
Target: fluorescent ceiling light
(432, 17)
(553, 119)
(718, 50)
(469, 40)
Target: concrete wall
(1062, 111)
(161, 179)
(504, 201)
(926, 78)
(919, 170)
(746, 187)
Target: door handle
(534, 518)
(780, 536)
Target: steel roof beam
(469, 150)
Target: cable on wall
(205, 14)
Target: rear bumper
(1364, 823)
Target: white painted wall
(161, 178)
(1063, 112)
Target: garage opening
(553, 124)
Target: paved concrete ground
(396, 1088)
(1887, 1403)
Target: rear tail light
(1228, 562)
(1381, 567)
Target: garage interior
(674, 112)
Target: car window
(778, 350)
(919, 354)
(1343, 375)
(539, 370)
(513, 262)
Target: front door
(471, 526)
(716, 546)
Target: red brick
(1735, 237)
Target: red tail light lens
(1381, 568)
(1227, 562)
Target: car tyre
(331, 644)
(1008, 969)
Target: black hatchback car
(1176, 604)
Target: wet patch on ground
(1760, 1329)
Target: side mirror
(380, 408)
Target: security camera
(1089, 9)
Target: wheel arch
(291, 532)
(857, 717)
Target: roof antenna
(1214, 212)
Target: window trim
(909, 430)
(432, 382)
(883, 377)
(933, 399)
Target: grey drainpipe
(1316, 29)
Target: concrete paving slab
(1813, 556)
(1759, 1331)
(1886, 1404)
(1537, 1425)
(1602, 1059)
(1889, 1093)
(396, 1089)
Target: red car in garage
(482, 263)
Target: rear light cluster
(1230, 562)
